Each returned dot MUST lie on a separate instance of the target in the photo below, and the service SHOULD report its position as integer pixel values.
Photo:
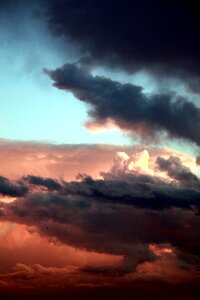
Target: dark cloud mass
(49, 183)
(158, 36)
(111, 226)
(135, 192)
(9, 189)
(128, 106)
(175, 169)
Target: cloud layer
(146, 219)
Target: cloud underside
(159, 37)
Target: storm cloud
(157, 36)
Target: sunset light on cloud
(99, 150)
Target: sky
(99, 149)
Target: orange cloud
(37, 249)
(23, 244)
(167, 267)
(67, 161)
(100, 126)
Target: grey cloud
(128, 106)
(134, 192)
(49, 183)
(133, 35)
(176, 170)
(12, 190)
(107, 227)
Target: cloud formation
(120, 216)
(175, 169)
(18, 159)
(156, 36)
(9, 189)
(134, 223)
(129, 107)
(49, 183)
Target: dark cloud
(12, 190)
(128, 106)
(108, 227)
(49, 183)
(158, 36)
(141, 191)
(135, 192)
(176, 170)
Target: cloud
(107, 227)
(12, 190)
(129, 107)
(138, 163)
(49, 183)
(37, 275)
(118, 216)
(20, 159)
(155, 36)
(175, 169)
(23, 243)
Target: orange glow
(20, 159)
(21, 243)
(160, 250)
(97, 127)
(167, 267)
(7, 199)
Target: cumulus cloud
(138, 163)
